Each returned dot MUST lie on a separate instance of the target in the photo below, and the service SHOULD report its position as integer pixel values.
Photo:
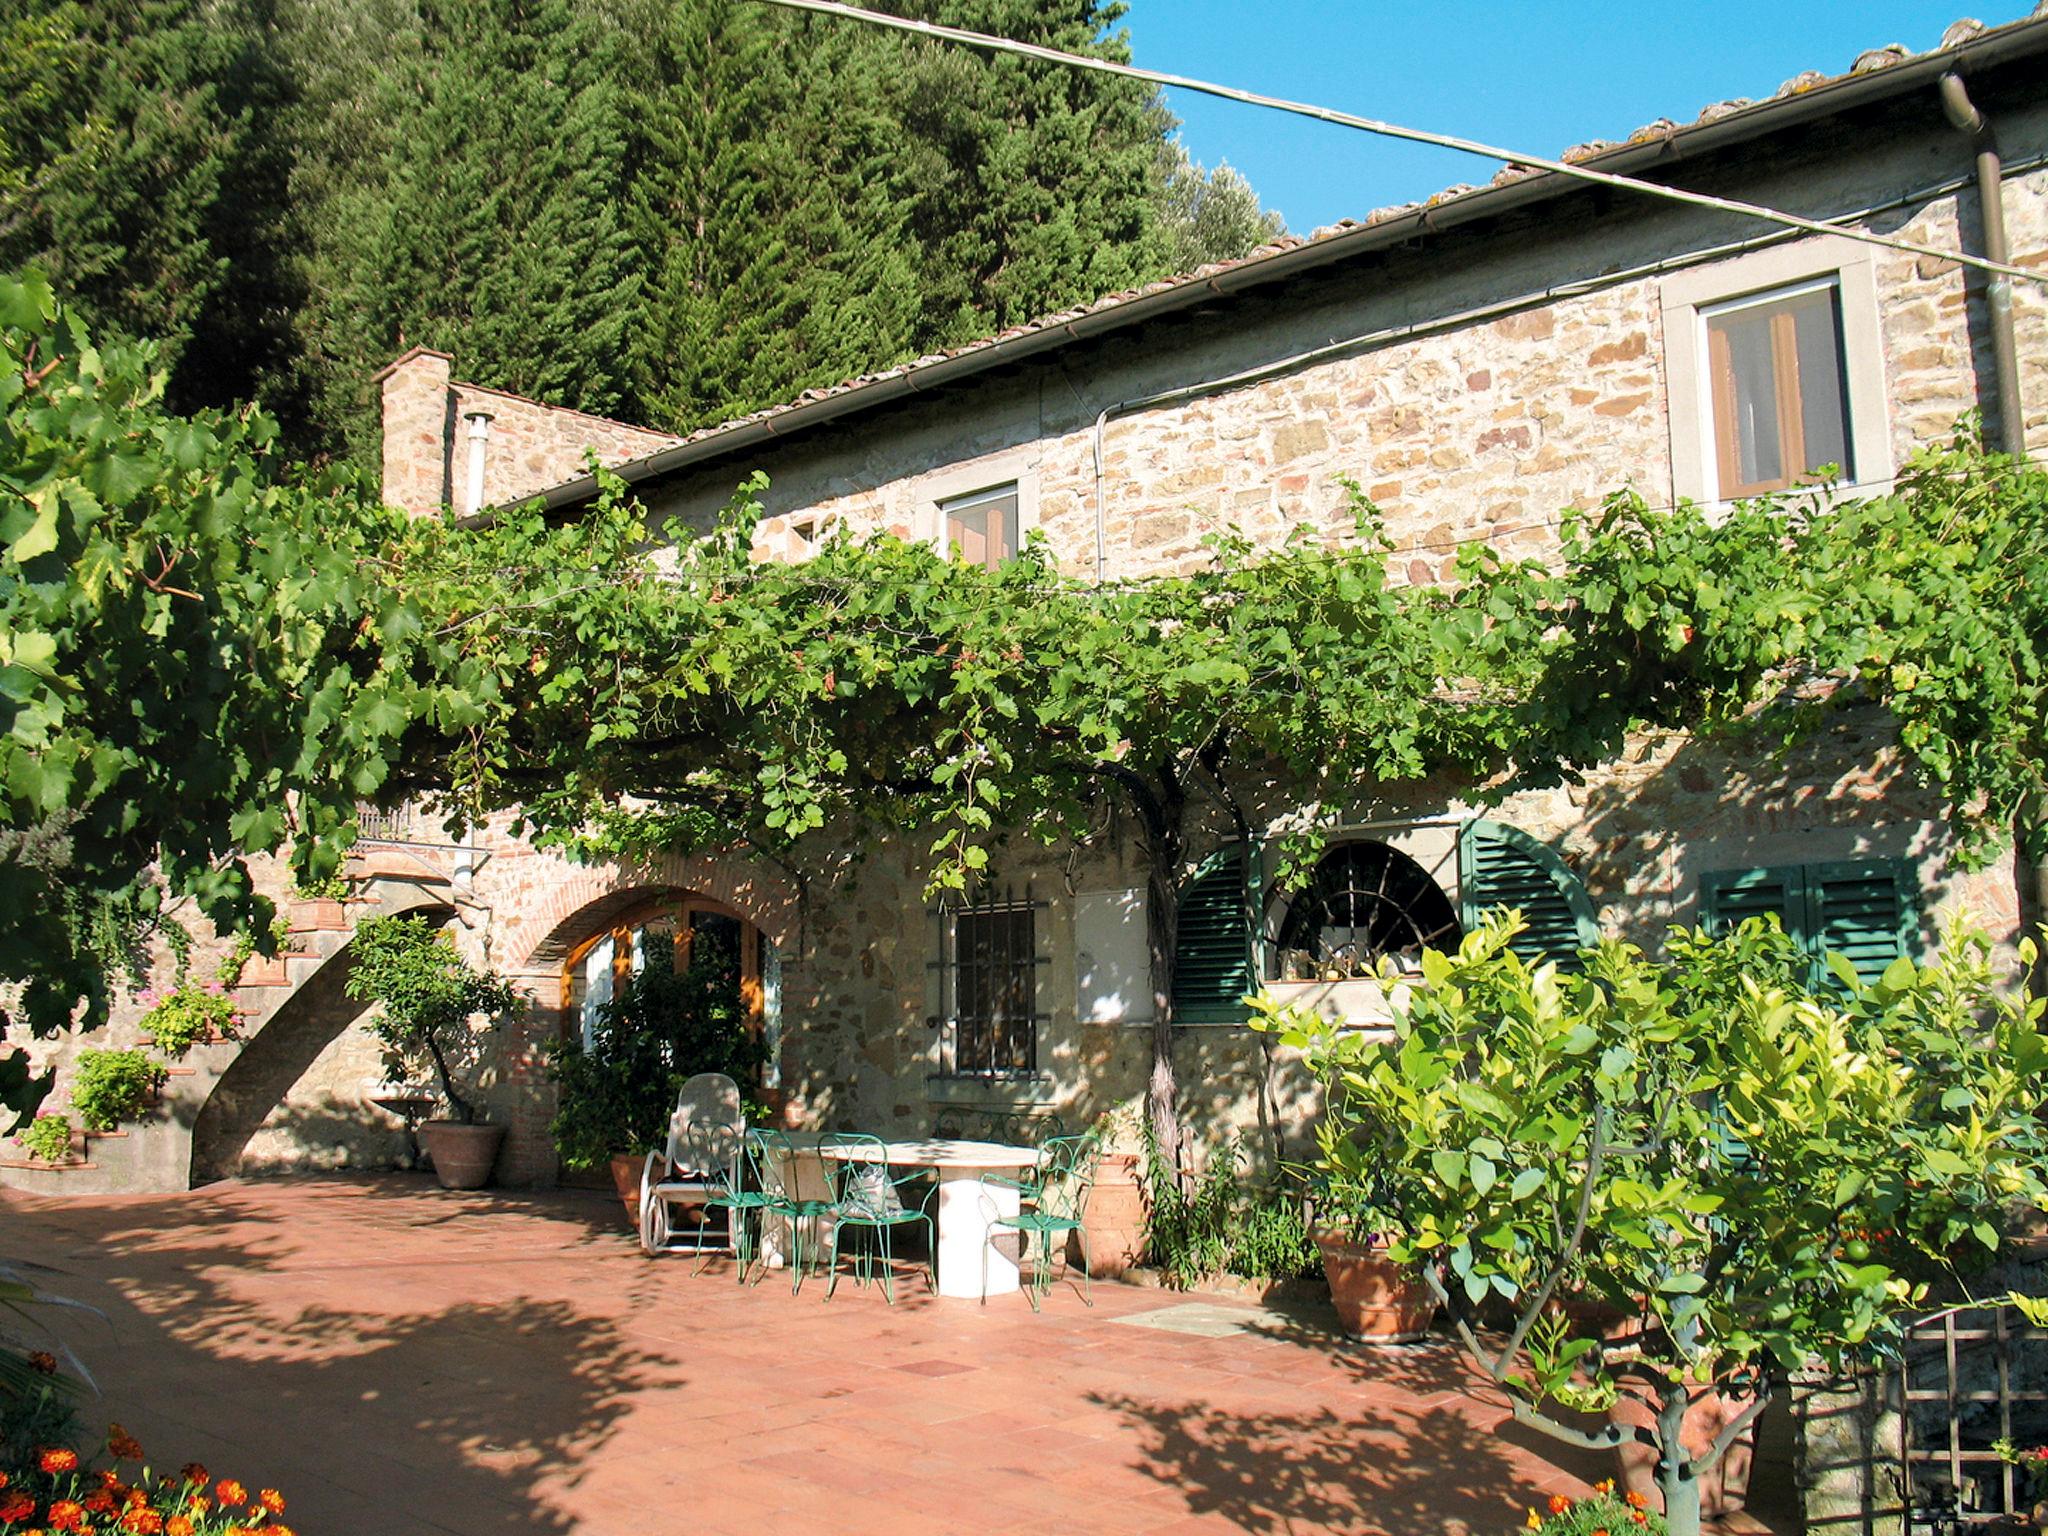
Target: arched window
(1366, 902)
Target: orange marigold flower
(67, 1515)
(1605, 1485)
(1599, 1533)
(278, 1530)
(16, 1506)
(144, 1522)
(199, 1503)
(1559, 1503)
(99, 1501)
(1635, 1500)
(1639, 1517)
(57, 1458)
(271, 1500)
(194, 1473)
(42, 1360)
(178, 1525)
(1534, 1522)
(122, 1445)
(230, 1492)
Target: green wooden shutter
(1212, 957)
(1503, 866)
(1727, 896)
(1861, 910)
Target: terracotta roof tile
(1865, 63)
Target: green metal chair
(740, 1190)
(1054, 1199)
(778, 1164)
(868, 1196)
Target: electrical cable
(1395, 131)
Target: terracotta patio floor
(399, 1359)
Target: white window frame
(985, 476)
(1688, 298)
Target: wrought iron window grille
(987, 968)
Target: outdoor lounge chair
(700, 1160)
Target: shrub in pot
(427, 996)
(615, 1090)
(1703, 1142)
(109, 1087)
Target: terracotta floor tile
(398, 1357)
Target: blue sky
(1537, 76)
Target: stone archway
(537, 942)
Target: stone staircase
(222, 1089)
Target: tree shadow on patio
(361, 1396)
(1415, 1471)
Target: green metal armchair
(1054, 1198)
(780, 1163)
(740, 1190)
(869, 1196)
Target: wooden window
(1366, 902)
(599, 968)
(1503, 866)
(1864, 910)
(1776, 383)
(981, 528)
(1212, 957)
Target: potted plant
(1115, 1214)
(427, 996)
(109, 1087)
(616, 1089)
(1376, 1297)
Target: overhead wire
(1386, 129)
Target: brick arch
(574, 905)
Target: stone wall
(528, 446)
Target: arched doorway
(682, 931)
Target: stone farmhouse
(1477, 363)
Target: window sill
(1008, 1090)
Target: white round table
(967, 1209)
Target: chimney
(479, 436)
(418, 431)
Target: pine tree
(139, 170)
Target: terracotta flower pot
(462, 1154)
(1375, 1298)
(1115, 1217)
(626, 1168)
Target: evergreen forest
(668, 211)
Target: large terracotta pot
(626, 1168)
(462, 1154)
(1115, 1216)
(1375, 1298)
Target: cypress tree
(139, 168)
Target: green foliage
(189, 663)
(716, 205)
(1215, 1224)
(1775, 617)
(189, 1013)
(1271, 1240)
(141, 168)
(664, 1026)
(109, 1087)
(1699, 1144)
(47, 1138)
(1209, 215)
(426, 995)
